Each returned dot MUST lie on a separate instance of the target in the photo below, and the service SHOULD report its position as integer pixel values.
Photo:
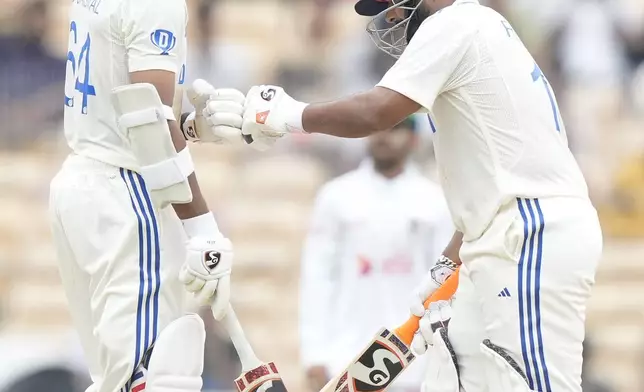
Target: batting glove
(270, 114)
(206, 272)
(435, 317)
(437, 275)
(217, 117)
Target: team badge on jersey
(164, 40)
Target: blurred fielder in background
(127, 200)
(373, 232)
(527, 234)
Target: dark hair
(409, 123)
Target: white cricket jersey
(371, 241)
(108, 39)
(498, 132)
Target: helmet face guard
(393, 37)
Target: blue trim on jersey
(431, 123)
(149, 252)
(529, 272)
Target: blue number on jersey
(84, 87)
(69, 101)
(538, 74)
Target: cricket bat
(388, 354)
(256, 375)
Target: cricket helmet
(392, 36)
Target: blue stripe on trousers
(529, 295)
(538, 299)
(524, 350)
(147, 239)
(530, 290)
(157, 258)
(148, 260)
(137, 350)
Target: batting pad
(502, 372)
(442, 373)
(176, 363)
(144, 121)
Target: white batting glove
(435, 317)
(206, 272)
(270, 114)
(437, 275)
(217, 117)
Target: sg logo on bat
(378, 366)
(376, 369)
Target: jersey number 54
(78, 60)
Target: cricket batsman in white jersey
(527, 234)
(126, 201)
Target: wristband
(294, 115)
(201, 226)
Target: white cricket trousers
(525, 286)
(119, 260)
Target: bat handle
(406, 331)
(246, 354)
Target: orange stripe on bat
(406, 331)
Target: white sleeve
(155, 35)
(317, 283)
(429, 65)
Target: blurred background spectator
(373, 232)
(591, 50)
(31, 76)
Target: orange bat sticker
(261, 117)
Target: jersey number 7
(538, 74)
(79, 69)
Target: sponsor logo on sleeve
(165, 40)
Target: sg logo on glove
(268, 95)
(211, 259)
(191, 133)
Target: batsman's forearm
(198, 204)
(352, 117)
(454, 247)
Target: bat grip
(246, 354)
(406, 331)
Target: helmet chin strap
(420, 14)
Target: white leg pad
(143, 119)
(502, 372)
(176, 363)
(442, 370)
